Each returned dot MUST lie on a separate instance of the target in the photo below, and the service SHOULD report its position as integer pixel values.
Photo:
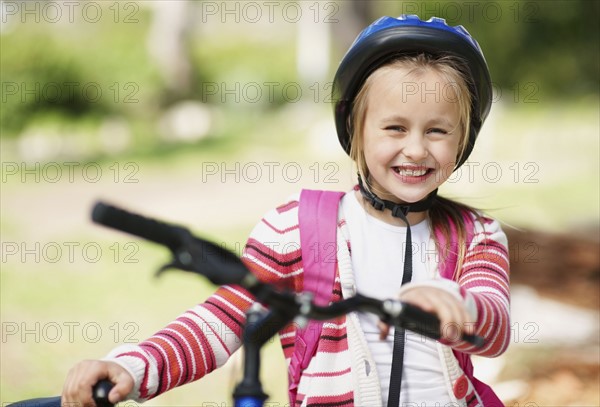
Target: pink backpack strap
(317, 217)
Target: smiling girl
(410, 98)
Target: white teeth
(411, 173)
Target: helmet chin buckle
(377, 203)
(398, 210)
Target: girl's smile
(412, 174)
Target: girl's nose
(415, 147)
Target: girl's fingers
(77, 389)
(453, 315)
(123, 384)
(384, 330)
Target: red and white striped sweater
(341, 373)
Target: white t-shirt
(378, 262)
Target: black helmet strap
(398, 210)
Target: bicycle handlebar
(221, 267)
(392, 312)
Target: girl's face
(411, 134)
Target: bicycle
(222, 267)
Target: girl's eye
(395, 128)
(438, 130)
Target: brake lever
(182, 260)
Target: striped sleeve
(273, 251)
(193, 345)
(204, 337)
(485, 278)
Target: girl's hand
(84, 375)
(454, 317)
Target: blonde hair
(444, 212)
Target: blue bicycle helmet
(390, 37)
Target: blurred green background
(210, 113)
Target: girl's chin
(403, 193)
(405, 198)
(409, 193)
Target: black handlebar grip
(137, 225)
(419, 321)
(476, 340)
(428, 324)
(100, 393)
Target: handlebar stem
(249, 392)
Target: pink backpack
(317, 216)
